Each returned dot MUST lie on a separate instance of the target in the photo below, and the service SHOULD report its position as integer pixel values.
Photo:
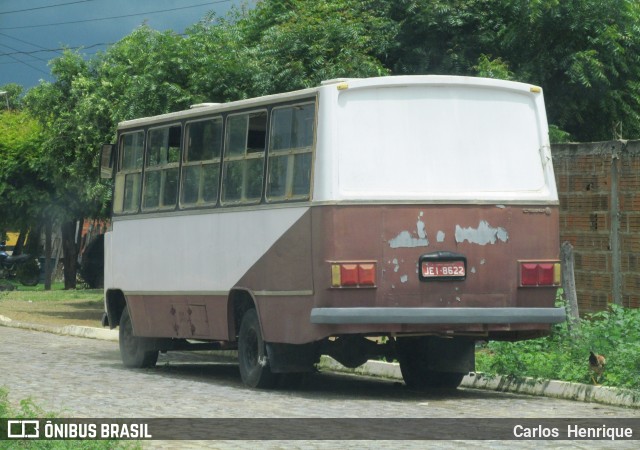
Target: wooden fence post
(569, 283)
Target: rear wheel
(252, 354)
(416, 371)
(136, 352)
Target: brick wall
(599, 190)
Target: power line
(45, 7)
(18, 52)
(56, 50)
(115, 17)
(24, 42)
(28, 65)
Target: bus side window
(160, 189)
(201, 165)
(129, 175)
(290, 150)
(244, 158)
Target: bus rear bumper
(437, 315)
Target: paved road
(79, 377)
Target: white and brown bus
(421, 209)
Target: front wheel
(252, 354)
(136, 352)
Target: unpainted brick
(595, 262)
(629, 201)
(630, 222)
(630, 242)
(631, 301)
(630, 262)
(631, 282)
(583, 178)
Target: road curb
(520, 385)
(516, 385)
(68, 330)
(553, 388)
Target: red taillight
(348, 274)
(367, 274)
(353, 274)
(540, 273)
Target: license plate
(438, 269)
(443, 266)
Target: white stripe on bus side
(193, 253)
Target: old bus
(403, 217)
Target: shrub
(27, 409)
(564, 354)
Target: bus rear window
(435, 142)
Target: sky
(32, 32)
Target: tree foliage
(584, 53)
(11, 100)
(299, 43)
(146, 73)
(24, 185)
(74, 119)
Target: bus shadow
(328, 385)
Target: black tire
(28, 273)
(413, 358)
(30, 281)
(252, 354)
(136, 352)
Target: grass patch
(57, 291)
(55, 307)
(564, 354)
(27, 409)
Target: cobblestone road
(78, 377)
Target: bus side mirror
(107, 158)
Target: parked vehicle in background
(402, 217)
(23, 267)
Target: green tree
(12, 98)
(74, 120)
(144, 74)
(219, 66)
(582, 52)
(24, 184)
(294, 44)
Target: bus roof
(340, 83)
(208, 108)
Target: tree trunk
(48, 231)
(70, 248)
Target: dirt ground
(59, 312)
